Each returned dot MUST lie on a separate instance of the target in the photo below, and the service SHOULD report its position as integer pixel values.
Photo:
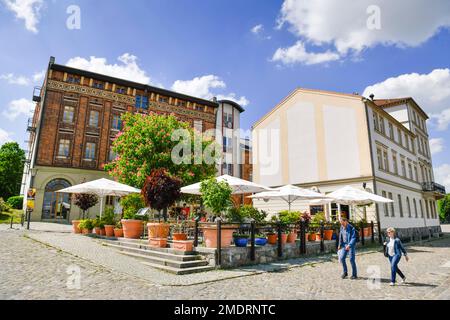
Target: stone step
(146, 246)
(154, 253)
(165, 262)
(179, 271)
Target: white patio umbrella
(239, 186)
(352, 196)
(101, 188)
(289, 193)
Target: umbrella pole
(101, 207)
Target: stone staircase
(166, 259)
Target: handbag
(385, 250)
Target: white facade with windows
(326, 140)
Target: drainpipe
(373, 167)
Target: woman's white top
(390, 246)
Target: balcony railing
(31, 127)
(433, 187)
(37, 94)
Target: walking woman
(394, 251)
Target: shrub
(251, 212)
(131, 204)
(16, 202)
(287, 217)
(86, 224)
(108, 216)
(216, 195)
(4, 206)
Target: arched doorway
(56, 205)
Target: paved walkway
(31, 269)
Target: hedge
(16, 202)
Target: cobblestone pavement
(32, 270)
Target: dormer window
(98, 85)
(72, 79)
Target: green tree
(444, 209)
(12, 160)
(148, 142)
(216, 195)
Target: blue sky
(255, 52)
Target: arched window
(56, 205)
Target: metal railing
(433, 187)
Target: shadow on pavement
(407, 284)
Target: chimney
(214, 99)
(52, 60)
(372, 96)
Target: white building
(326, 140)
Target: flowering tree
(149, 142)
(160, 190)
(85, 201)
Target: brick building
(76, 118)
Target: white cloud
(344, 24)
(442, 175)
(11, 78)
(19, 107)
(128, 67)
(431, 91)
(28, 10)
(436, 145)
(39, 76)
(203, 86)
(441, 120)
(4, 136)
(298, 54)
(257, 29)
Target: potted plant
(178, 232)
(272, 237)
(289, 221)
(98, 226)
(84, 202)
(260, 240)
(86, 226)
(160, 191)
(131, 224)
(217, 197)
(118, 231)
(108, 221)
(240, 240)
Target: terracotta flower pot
(318, 237)
(210, 236)
(179, 236)
(98, 231)
(183, 245)
(292, 236)
(311, 237)
(327, 234)
(272, 238)
(75, 228)
(109, 231)
(102, 232)
(367, 232)
(86, 231)
(158, 230)
(284, 237)
(132, 229)
(118, 233)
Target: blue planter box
(260, 241)
(240, 242)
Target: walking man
(347, 244)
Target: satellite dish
(315, 189)
(266, 200)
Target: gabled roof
(388, 103)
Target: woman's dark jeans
(394, 267)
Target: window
(428, 210)
(227, 144)
(90, 151)
(98, 85)
(400, 205)
(163, 99)
(386, 207)
(112, 155)
(375, 121)
(403, 164)
(228, 120)
(410, 170)
(121, 90)
(68, 114)
(227, 168)
(380, 159)
(72, 79)
(409, 206)
(392, 205)
(116, 122)
(386, 160)
(407, 141)
(93, 118)
(400, 139)
(391, 131)
(141, 102)
(421, 208)
(415, 208)
(382, 128)
(416, 174)
(198, 107)
(394, 162)
(64, 148)
(181, 103)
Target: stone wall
(417, 234)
